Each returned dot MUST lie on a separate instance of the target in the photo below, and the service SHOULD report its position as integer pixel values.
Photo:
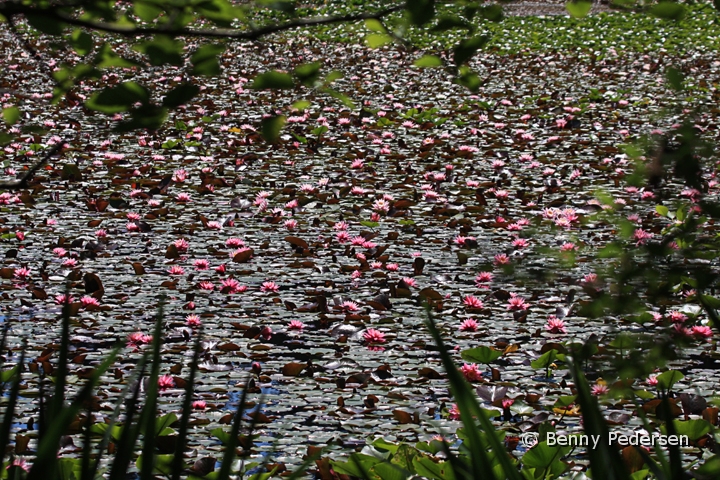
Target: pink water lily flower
(555, 325)
(374, 336)
(469, 325)
(269, 287)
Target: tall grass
(132, 427)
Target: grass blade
(186, 409)
(676, 467)
(45, 464)
(469, 407)
(605, 460)
(5, 437)
(126, 444)
(149, 414)
(229, 455)
(302, 469)
(12, 402)
(85, 468)
(58, 398)
(102, 446)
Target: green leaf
(119, 98)
(667, 379)
(716, 3)
(420, 11)
(45, 24)
(426, 467)
(578, 9)
(565, 401)
(101, 428)
(287, 6)
(644, 394)
(542, 455)
(468, 79)
(428, 61)
(272, 79)
(221, 435)
(448, 22)
(308, 73)
(271, 128)
(149, 117)
(69, 469)
(6, 138)
(8, 375)
(205, 61)
(180, 95)
(162, 425)
(465, 50)
(162, 464)
(376, 40)
(662, 210)
(332, 76)
(668, 11)
(82, 42)
(711, 467)
(369, 224)
(106, 58)
(492, 13)
(162, 50)
(680, 214)
(220, 12)
(375, 25)
(383, 445)
(481, 354)
(357, 465)
(693, 429)
(710, 301)
(675, 78)
(623, 342)
(544, 360)
(611, 250)
(147, 12)
(389, 471)
(11, 115)
(347, 101)
(301, 105)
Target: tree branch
(12, 9)
(23, 182)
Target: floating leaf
(481, 354)
(293, 369)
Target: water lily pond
(305, 263)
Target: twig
(23, 182)
(12, 9)
(27, 46)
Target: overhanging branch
(23, 182)
(12, 9)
